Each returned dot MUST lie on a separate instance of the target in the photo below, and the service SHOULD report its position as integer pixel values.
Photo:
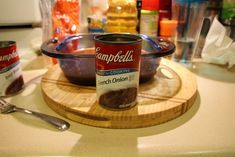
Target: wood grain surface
(168, 95)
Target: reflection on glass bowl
(76, 56)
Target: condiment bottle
(165, 9)
(149, 17)
(122, 16)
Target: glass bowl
(76, 56)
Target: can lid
(5, 44)
(118, 39)
(150, 4)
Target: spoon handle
(57, 122)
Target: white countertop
(207, 129)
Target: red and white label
(10, 71)
(8, 56)
(117, 68)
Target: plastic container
(96, 19)
(168, 29)
(149, 18)
(190, 15)
(59, 18)
(121, 16)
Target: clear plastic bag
(59, 18)
(45, 9)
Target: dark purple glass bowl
(76, 56)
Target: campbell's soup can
(117, 70)
(11, 80)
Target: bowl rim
(166, 47)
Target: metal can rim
(133, 39)
(7, 43)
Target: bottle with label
(149, 17)
(122, 16)
(165, 9)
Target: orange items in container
(168, 28)
(65, 18)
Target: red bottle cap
(150, 4)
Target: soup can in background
(11, 80)
(117, 70)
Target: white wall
(19, 12)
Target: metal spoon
(6, 108)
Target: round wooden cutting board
(170, 94)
